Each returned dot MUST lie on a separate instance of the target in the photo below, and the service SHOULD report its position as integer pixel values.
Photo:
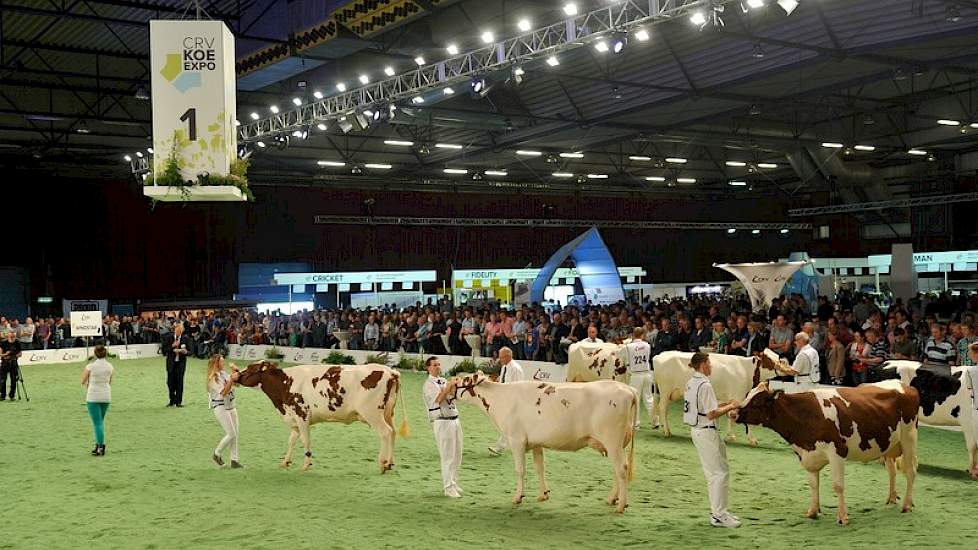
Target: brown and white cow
(309, 394)
(945, 400)
(733, 378)
(565, 417)
(588, 362)
(832, 425)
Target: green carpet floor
(157, 488)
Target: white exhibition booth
(513, 285)
(365, 288)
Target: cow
(945, 400)
(308, 394)
(587, 362)
(832, 425)
(733, 378)
(565, 417)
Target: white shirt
(216, 387)
(99, 374)
(510, 372)
(972, 373)
(637, 354)
(593, 340)
(430, 390)
(806, 363)
(699, 399)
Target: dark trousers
(10, 371)
(174, 381)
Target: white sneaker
(452, 493)
(724, 521)
(458, 489)
(733, 517)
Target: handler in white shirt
(638, 356)
(220, 387)
(700, 413)
(511, 371)
(444, 419)
(806, 366)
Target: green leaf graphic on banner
(172, 67)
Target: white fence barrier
(75, 355)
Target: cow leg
(971, 442)
(519, 460)
(287, 460)
(304, 434)
(909, 464)
(838, 465)
(731, 436)
(663, 407)
(538, 464)
(620, 487)
(891, 497)
(814, 510)
(385, 432)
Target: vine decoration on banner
(171, 176)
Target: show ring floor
(158, 489)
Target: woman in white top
(220, 386)
(98, 378)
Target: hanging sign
(763, 281)
(194, 107)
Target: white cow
(944, 401)
(566, 417)
(588, 362)
(309, 394)
(733, 378)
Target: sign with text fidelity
(86, 323)
(194, 106)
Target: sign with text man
(194, 107)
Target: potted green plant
(170, 185)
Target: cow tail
(405, 429)
(631, 449)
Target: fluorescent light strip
(755, 231)
(334, 163)
(525, 153)
(736, 163)
(398, 142)
(868, 148)
(767, 165)
(676, 160)
(732, 230)
(832, 145)
(737, 183)
(686, 180)
(455, 171)
(562, 175)
(654, 178)
(917, 152)
(377, 166)
(447, 146)
(496, 173)
(640, 158)
(572, 155)
(946, 122)
(597, 176)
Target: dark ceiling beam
(70, 74)
(34, 45)
(121, 92)
(156, 7)
(71, 116)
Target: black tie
(504, 375)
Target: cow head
(465, 385)
(253, 374)
(758, 407)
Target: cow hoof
(843, 520)
(811, 514)
(286, 463)
(305, 467)
(544, 497)
(907, 509)
(612, 501)
(621, 508)
(731, 438)
(752, 443)
(518, 500)
(892, 500)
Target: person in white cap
(444, 422)
(509, 371)
(700, 413)
(638, 355)
(806, 366)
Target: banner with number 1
(193, 93)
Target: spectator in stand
(902, 347)
(835, 355)
(825, 309)
(43, 336)
(964, 344)
(756, 339)
(781, 337)
(877, 353)
(938, 351)
(592, 335)
(683, 334)
(531, 343)
(858, 351)
(388, 333)
(558, 334)
(545, 342)
(25, 334)
(664, 340)
(701, 336)
(740, 338)
(721, 340)
(371, 333)
(520, 329)
(492, 335)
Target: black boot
(101, 450)
(95, 450)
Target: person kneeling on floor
(701, 412)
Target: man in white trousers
(638, 355)
(448, 431)
(700, 413)
(806, 366)
(509, 371)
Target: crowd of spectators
(852, 335)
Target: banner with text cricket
(194, 106)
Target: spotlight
(931, 158)
(254, 116)
(282, 141)
(321, 126)
(448, 90)
(273, 109)
(524, 25)
(788, 5)
(754, 110)
(478, 86)
(517, 75)
(732, 230)
(755, 3)
(364, 79)
(128, 158)
(296, 101)
(345, 123)
(356, 170)
(419, 61)
(570, 8)
(698, 18)
(149, 150)
(237, 122)
(82, 127)
(317, 94)
(417, 100)
(389, 71)
(553, 61)
(784, 231)
(488, 37)
(618, 41)
(424, 150)
(341, 87)
(642, 35)
(755, 232)
(452, 49)
(301, 134)
(260, 144)
(758, 52)
(139, 154)
(141, 93)
(952, 15)
(601, 46)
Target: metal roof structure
(738, 108)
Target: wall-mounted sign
(929, 258)
(194, 104)
(368, 277)
(529, 274)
